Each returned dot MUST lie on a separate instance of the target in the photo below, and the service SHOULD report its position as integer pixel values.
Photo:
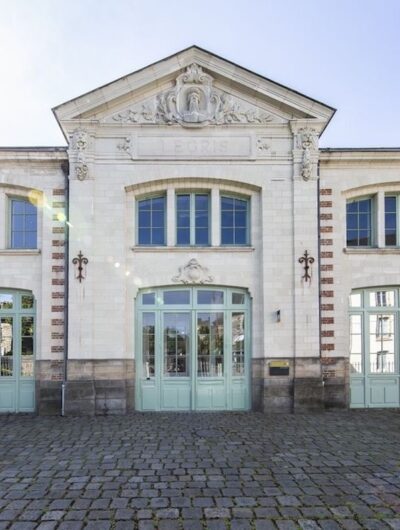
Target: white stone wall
(283, 226)
(350, 175)
(23, 173)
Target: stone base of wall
(306, 389)
(336, 377)
(100, 387)
(49, 376)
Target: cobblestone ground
(201, 471)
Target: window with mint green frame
(374, 347)
(391, 220)
(235, 220)
(17, 351)
(193, 219)
(23, 224)
(151, 214)
(360, 222)
(193, 349)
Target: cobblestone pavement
(231, 471)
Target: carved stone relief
(193, 102)
(78, 148)
(307, 141)
(193, 272)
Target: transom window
(151, 221)
(23, 223)
(192, 219)
(359, 222)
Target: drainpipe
(65, 168)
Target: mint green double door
(17, 346)
(193, 350)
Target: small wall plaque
(278, 368)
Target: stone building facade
(193, 248)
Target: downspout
(65, 168)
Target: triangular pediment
(192, 88)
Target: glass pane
(210, 344)
(30, 222)
(183, 219)
(144, 219)
(355, 344)
(210, 297)
(240, 236)
(176, 344)
(201, 202)
(238, 367)
(6, 301)
(238, 298)
(148, 337)
(183, 202)
(30, 240)
(27, 346)
(355, 300)
(227, 236)
(183, 236)
(17, 240)
(6, 346)
(158, 236)
(381, 344)
(144, 236)
(148, 298)
(201, 236)
(176, 297)
(26, 301)
(381, 299)
(18, 222)
(18, 206)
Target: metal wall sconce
(278, 315)
(80, 261)
(307, 260)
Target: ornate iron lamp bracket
(307, 260)
(80, 261)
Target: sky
(345, 53)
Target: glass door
(193, 349)
(177, 360)
(17, 383)
(210, 353)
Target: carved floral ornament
(79, 144)
(307, 141)
(193, 102)
(193, 272)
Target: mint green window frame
(248, 218)
(151, 227)
(192, 218)
(12, 202)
